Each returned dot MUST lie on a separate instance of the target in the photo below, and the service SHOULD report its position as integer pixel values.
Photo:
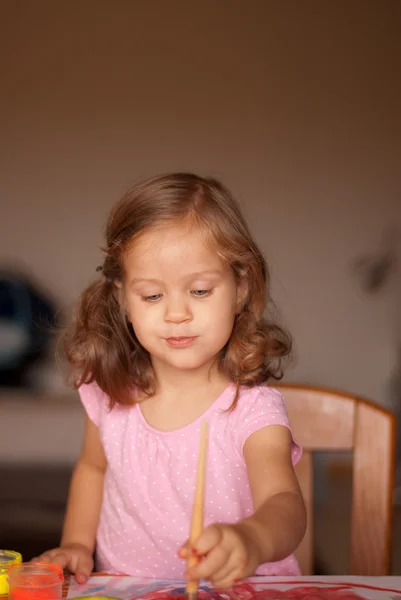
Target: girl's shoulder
(258, 407)
(95, 401)
(260, 398)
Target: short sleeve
(93, 400)
(261, 407)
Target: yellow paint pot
(7, 559)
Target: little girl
(171, 334)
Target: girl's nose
(177, 311)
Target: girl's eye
(201, 293)
(152, 298)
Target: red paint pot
(35, 581)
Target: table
(256, 588)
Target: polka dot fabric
(150, 480)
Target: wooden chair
(332, 421)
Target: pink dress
(150, 479)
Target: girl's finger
(226, 583)
(83, 569)
(59, 557)
(185, 550)
(45, 557)
(210, 564)
(209, 538)
(52, 557)
(228, 574)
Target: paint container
(7, 559)
(35, 581)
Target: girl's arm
(273, 532)
(86, 492)
(279, 521)
(83, 509)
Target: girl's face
(179, 296)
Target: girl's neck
(182, 396)
(177, 383)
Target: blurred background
(294, 105)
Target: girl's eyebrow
(188, 277)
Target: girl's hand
(226, 554)
(74, 557)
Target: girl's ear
(118, 291)
(242, 293)
(120, 297)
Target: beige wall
(294, 104)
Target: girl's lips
(180, 342)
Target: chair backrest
(327, 420)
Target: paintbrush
(197, 512)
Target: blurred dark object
(375, 270)
(27, 322)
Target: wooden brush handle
(197, 512)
